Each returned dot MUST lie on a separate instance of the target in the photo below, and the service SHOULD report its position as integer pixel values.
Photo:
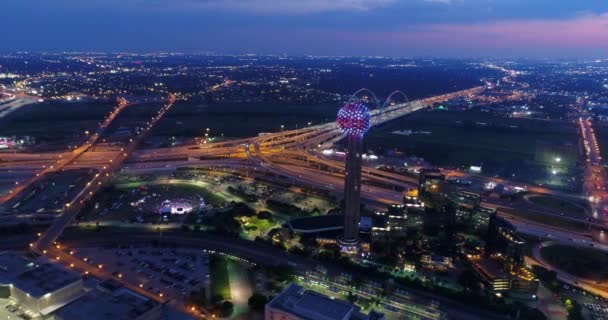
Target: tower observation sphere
(354, 120)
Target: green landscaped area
(134, 199)
(469, 137)
(220, 279)
(254, 226)
(143, 200)
(581, 262)
(567, 207)
(176, 187)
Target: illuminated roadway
(291, 154)
(66, 157)
(73, 207)
(594, 184)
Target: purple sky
(511, 28)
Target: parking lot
(597, 312)
(10, 310)
(166, 272)
(50, 194)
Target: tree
(198, 297)
(548, 278)
(264, 214)
(468, 280)
(226, 308)
(575, 311)
(527, 313)
(351, 297)
(257, 302)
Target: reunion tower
(354, 121)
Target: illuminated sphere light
(354, 119)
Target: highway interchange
(293, 154)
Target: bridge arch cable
(353, 97)
(389, 99)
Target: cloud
(582, 36)
(584, 33)
(288, 6)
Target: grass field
(253, 226)
(469, 137)
(177, 189)
(543, 219)
(114, 204)
(581, 262)
(240, 120)
(567, 207)
(50, 121)
(220, 279)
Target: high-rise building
(430, 180)
(503, 239)
(502, 270)
(354, 120)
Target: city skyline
(304, 159)
(441, 28)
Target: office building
(502, 239)
(430, 181)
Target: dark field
(580, 262)
(469, 137)
(601, 134)
(187, 119)
(55, 121)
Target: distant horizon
(598, 58)
(438, 28)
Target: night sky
(442, 28)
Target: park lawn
(581, 262)
(185, 189)
(256, 226)
(178, 188)
(220, 280)
(108, 198)
(567, 207)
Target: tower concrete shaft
(352, 191)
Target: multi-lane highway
(73, 207)
(291, 154)
(67, 157)
(594, 184)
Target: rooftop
(491, 268)
(11, 265)
(36, 278)
(120, 304)
(307, 304)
